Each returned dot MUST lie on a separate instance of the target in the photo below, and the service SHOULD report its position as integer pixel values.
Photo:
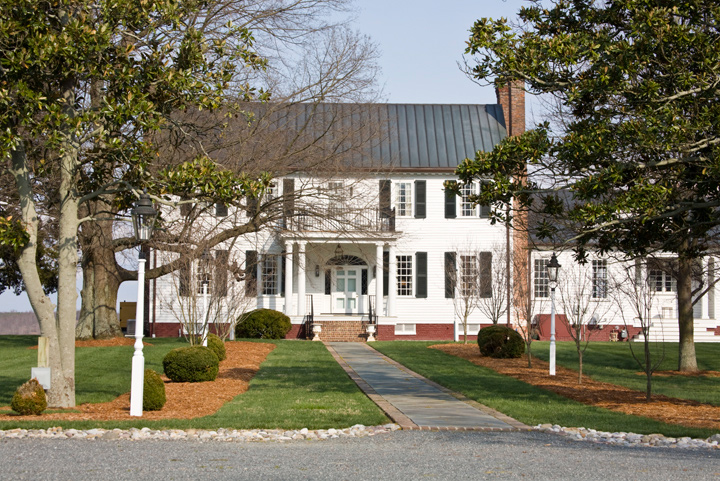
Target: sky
(421, 43)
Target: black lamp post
(143, 217)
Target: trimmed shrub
(217, 345)
(263, 324)
(191, 364)
(500, 342)
(29, 398)
(153, 391)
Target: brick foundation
(562, 331)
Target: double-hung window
(469, 275)
(599, 279)
(403, 199)
(404, 275)
(540, 276)
(660, 278)
(467, 208)
(270, 275)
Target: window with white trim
(269, 272)
(404, 276)
(403, 199)
(467, 208)
(404, 329)
(541, 279)
(660, 278)
(599, 279)
(468, 275)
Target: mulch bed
(184, 400)
(609, 396)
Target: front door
(345, 294)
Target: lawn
(612, 362)
(299, 385)
(522, 401)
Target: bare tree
(582, 292)
(526, 305)
(633, 286)
(494, 304)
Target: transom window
(599, 279)
(403, 201)
(404, 276)
(540, 276)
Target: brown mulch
(605, 395)
(184, 400)
(115, 341)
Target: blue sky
(421, 42)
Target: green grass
(299, 385)
(524, 402)
(612, 362)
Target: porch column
(289, 278)
(302, 273)
(379, 279)
(392, 281)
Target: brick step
(343, 331)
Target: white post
(289, 279)
(206, 313)
(302, 273)
(392, 282)
(552, 331)
(379, 279)
(138, 360)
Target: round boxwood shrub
(153, 391)
(191, 364)
(217, 345)
(263, 324)
(29, 398)
(500, 342)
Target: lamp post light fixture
(552, 269)
(143, 217)
(205, 267)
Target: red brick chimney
(512, 99)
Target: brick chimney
(511, 98)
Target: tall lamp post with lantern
(552, 269)
(143, 217)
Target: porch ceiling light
(552, 268)
(339, 251)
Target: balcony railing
(342, 219)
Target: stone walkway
(411, 400)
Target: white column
(379, 278)
(302, 274)
(392, 282)
(288, 278)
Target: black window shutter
(252, 206)
(221, 209)
(484, 209)
(421, 289)
(420, 195)
(486, 274)
(364, 282)
(185, 281)
(450, 275)
(282, 274)
(288, 199)
(251, 260)
(221, 273)
(185, 209)
(386, 273)
(328, 282)
(385, 198)
(450, 202)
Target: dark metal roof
(400, 136)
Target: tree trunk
(648, 370)
(687, 361)
(101, 277)
(580, 365)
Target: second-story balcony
(342, 219)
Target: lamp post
(552, 269)
(205, 264)
(143, 217)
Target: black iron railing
(309, 316)
(342, 219)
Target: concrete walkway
(411, 400)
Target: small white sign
(42, 374)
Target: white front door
(345, 292)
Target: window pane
(341, 285)
(351, 285)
